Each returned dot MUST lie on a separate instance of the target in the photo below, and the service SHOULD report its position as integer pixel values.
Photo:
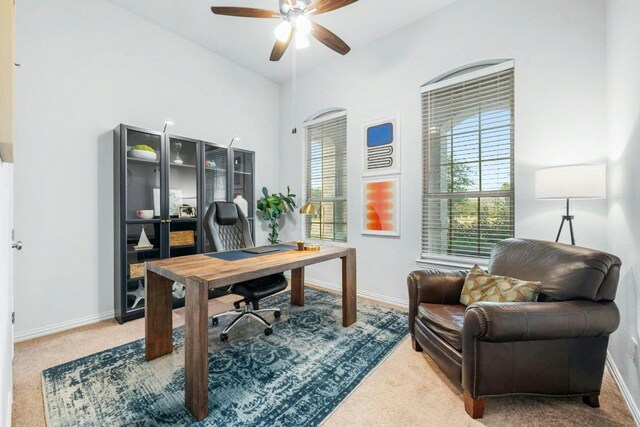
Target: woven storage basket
(182, 238)
(136, 270)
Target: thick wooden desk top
(217, 272)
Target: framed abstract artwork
(381, 147)
(381, 205)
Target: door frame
(6, 293)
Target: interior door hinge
(13, 317)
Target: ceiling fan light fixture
(303, 25)
(295, 26)
(283, 31)
(302, 41)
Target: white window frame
(458, 76)
(319, 117)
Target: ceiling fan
(295, 23)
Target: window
(326, 176)
(468, 193)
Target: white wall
(559, 52)
(623, 60)
(86, 67)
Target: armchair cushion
(508, 322)
(445, 321)
(481, 286)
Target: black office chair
(227, 229)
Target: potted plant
(273, 207)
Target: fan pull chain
(293, 90)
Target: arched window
(325, 159)
(468, 191)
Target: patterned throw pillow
(481, 286)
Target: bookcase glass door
(183, 196)
(215, 188)
(243, 185)
(142, 245)
(183, 178)
(143, 168)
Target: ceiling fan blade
(324, 6)
(281, 47)
(329, 39)
(245, 12)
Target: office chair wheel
(214, 321)
(277, 314)
(268, 331)
(224, 337)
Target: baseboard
(62, 326)
(365, 294)
(626, 394)
(10, 407)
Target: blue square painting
(380, 135)
(381, 146)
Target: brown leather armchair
(555, 347)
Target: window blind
(326, 178)
(468, 191)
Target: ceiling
(248, 42)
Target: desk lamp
(312, 210)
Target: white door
(6, 291)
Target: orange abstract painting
(380, 206)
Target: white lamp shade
(572, 182)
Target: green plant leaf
(273, 208)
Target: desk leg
(157, 315)
(196, 366)
(297, 286)
(349, 306)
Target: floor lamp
(571, 182)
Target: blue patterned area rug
(295, 377)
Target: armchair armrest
(532, 321)
(433, 286)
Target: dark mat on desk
(240, 254)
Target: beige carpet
(407, 389)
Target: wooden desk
(199, 273)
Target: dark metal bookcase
(185, 171)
